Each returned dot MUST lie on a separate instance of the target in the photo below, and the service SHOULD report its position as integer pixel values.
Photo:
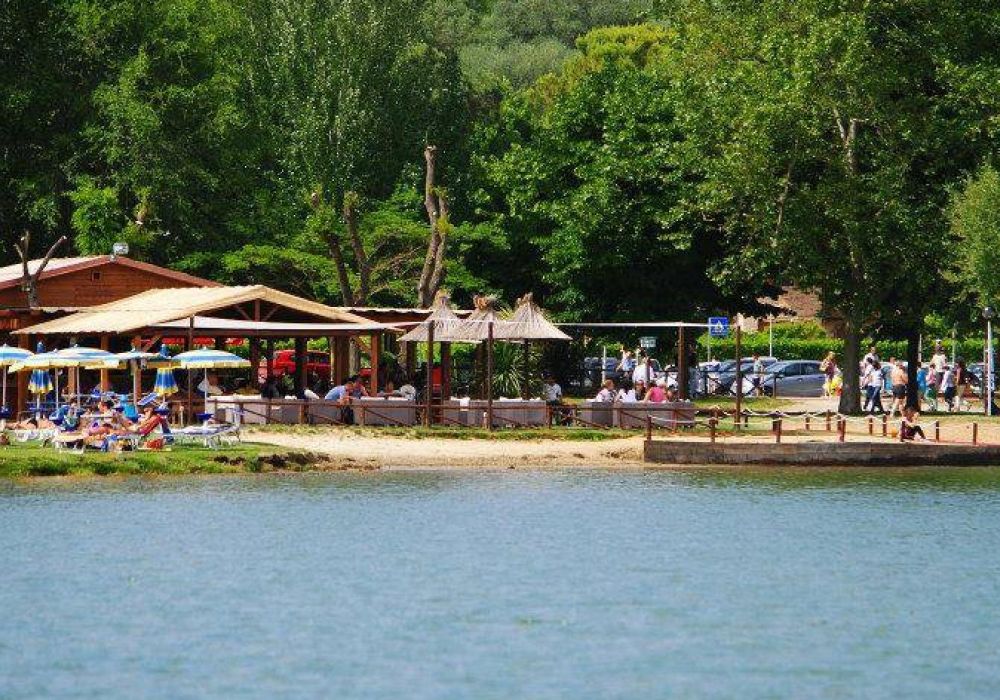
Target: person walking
(758, 375)
(938, 361)
(899, 379)
(872, 382)
(948, 387)
(828, 367)
(961, 382)
(930, 388)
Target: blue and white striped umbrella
(12, 356)
(9, 356)
(81, 356)
(165, 383)
(40, 382)
(209, 359)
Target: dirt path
(388, 452)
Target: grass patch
(758, 403)
(18, 461)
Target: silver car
(791, 378)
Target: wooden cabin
(70, 284)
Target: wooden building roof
(159, 306)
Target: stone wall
(820, 453)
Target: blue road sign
(718, 326)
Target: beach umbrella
(136, 359)
(209, 359)
(77, 356)
(165, 384)
(39, 364)
(9, 356)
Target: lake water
(504, 584)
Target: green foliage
(975, 219)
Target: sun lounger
(211, 435)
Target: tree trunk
(912, 364)
(850, 396)
(360, 256)
(432, 274)
(333, 245)
(29, 280)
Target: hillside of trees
(626, 159)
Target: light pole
(988, 313)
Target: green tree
(834, 134)
(595, 181)
(975, 221)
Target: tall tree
(846, 128)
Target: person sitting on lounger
(34, 423)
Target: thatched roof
(528, 323)
(476, 327)
(446, 323)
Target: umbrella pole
(205, 408)
(3, 421)
(56, 373)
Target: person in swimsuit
(899, 378)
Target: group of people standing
(937, 379)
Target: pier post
(871, 425)
(843, 429)
(885, 425)
(828, 420)
(975, 433)
(649, 427)
(777, 430)
(807, 422)
(937, 431)
(711, 427)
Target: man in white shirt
(643, 371)
(938, 362)
(552, 392)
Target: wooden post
(827, 420)
(807, 422)
(105, 382)
(739, 377)
(777, 430)
(712, 422)
(843, 429)
(189, 345)
(411, 359)
(220, 343)
(376, 352)
(445, 371)
(489, 375)
(254, 363)
(937, 431)
(885, 425)
(682, 366)
(527, 369)
(301, 367)
(269, 360)
(649, 427)
(975, 433)
(871, 425)
(21, 395)
(429, 368)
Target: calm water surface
(505, 584)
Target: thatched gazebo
(442, 326)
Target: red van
(284, 363)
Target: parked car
(724, 380)
(790, 378)
(284, 364)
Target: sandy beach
(351, 449)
